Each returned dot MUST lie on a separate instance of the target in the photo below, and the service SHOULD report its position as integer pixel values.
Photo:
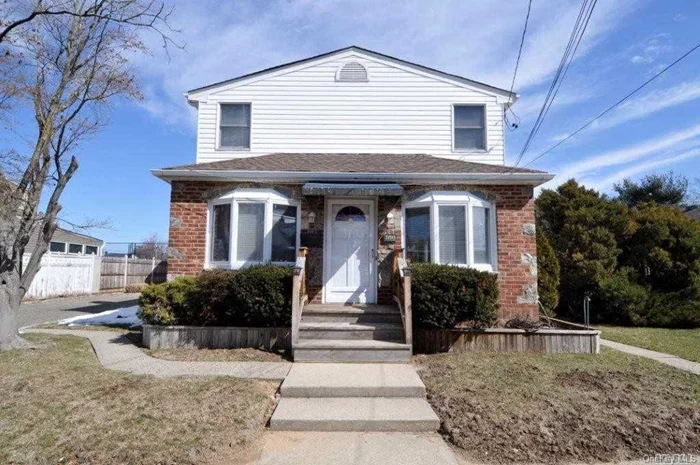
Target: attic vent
(352, 72)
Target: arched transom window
(252, 226)
(457, 228)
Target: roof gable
(503, 95)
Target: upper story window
(91, 250)
(252, 226)
(234, 126)
(469, 128)
(455, 228)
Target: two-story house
(355, 154)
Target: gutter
(531, 179)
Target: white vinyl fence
(62, 275)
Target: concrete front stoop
(353, 397)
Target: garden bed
(533, 408)
(216, 337)
(544, 341)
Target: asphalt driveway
(46, 311)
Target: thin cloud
(635, 153)
(607, 182)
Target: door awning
(351, 189)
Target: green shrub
(620, 301)
(444, 296)
(547, 273)
(263, 296)
(168, 303)
(257, 296)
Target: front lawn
(60, 406)
(684, 343)
(504, 408)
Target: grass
(60, 406)
(684, 343)
(562, 408)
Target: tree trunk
(10, 297)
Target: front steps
(351, 333)
(353, 397)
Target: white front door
(349, 252)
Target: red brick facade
(517, 249)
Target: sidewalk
(116, 352)
(672, 360)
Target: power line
(514, 125)
(619, 102)
(577, 34)
(522, 41)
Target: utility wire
(514, 125)
(619, 102)
(577, 34)
(522, 41)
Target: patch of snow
(122, 316)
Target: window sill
(470, 151)
(232, 149)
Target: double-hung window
(469, 127)
(234, 126)
(455, 228)
(252, 226)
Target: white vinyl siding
(307, 110)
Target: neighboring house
(68, 242)
(355, 154)
(692, 211)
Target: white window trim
(454, 130)
(267, 197)
(435, 199)
(218, 129)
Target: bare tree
(67, 61)
(151, 247)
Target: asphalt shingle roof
(352, 163)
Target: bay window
(455, 228)
(252, 226)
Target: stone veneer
(517, 248)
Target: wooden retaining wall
(212, 337)
(543, 341)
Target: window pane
(469, 139)
(284, 233)
(235, 114)
(418, 234)
(75, 248)
(452, 231)
(251, 232)
(235, 137)
(57, 247)
(469, 116)
(482, 249)
(90, 250)
(221, 235)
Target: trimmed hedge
(445, 296)
(259, 296)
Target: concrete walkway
(116, 352)
(322, 448)
(672, 360)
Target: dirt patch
(221, 355)
(562, 408)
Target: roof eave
(530, 179)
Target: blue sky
(625, 44)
